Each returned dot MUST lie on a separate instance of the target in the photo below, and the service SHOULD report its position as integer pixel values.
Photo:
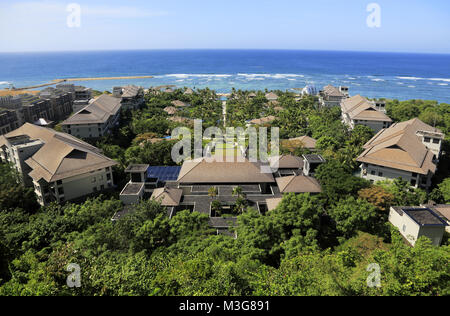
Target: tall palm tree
(237, 191)
(241, 201)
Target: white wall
(412, 231)
(408, 228)
(392, 174)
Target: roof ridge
(289, 182)
(190, 170)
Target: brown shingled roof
(398, 147)
(62, 155)
(167, 196)
(286, 162)
(273, 203)
(171, 110)
(131, 91)
(359, 108)
(179, 103)
(263, 120)
(305, 141)
(98, 111)
(298, 184)
(203, 171)
(332, 91)
(271, 96)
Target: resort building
(302, 141)
(443, 211)
(408, 150)
(61, 102)
(271, 96)
(60, 167)
(415, 222)
(262, 121)
(286, 165)
(298, 184)
(50, 104)
(200, 184)
(188, 91)
(180, 104)
(332, 96)
(95, 120)
(359, 111)
(311, 163)
(132, 97)
(171, 110)
(81, 95)
(8, 121)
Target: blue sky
(406, 25)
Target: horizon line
(221, 49)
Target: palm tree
(213, 192)
(241, 201)
(216, 207)
(237, 191)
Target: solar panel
(164, 173)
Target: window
(413, 182)
(372, 172)
(436, 141)
(108, 176)
(427, 139)
(59, 182)
(380, 174)
(60, 191)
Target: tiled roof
(398, 147)
(204, 171)
(263, 120)
(306, 141)
(359, 108)
(167, 197)
(62, 155)
(332, 91)
(298, 184)
(286, 162)
(98, 111)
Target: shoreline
(58, 81)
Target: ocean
(374, 75)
